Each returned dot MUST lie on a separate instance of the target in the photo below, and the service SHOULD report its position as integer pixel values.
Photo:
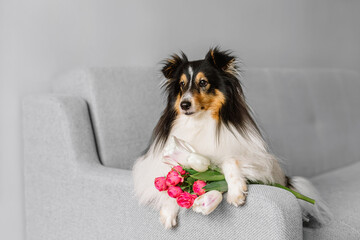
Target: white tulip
(177, 152)
(207, 202)
(198, 162)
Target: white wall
(40, 39)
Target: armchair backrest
(124, 105)
(311, 118)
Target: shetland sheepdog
(206, 107)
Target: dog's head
(204, 85)
(208, 85)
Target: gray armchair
(82, 140)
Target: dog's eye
(182, 84)
(203, 83)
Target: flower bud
(160, 183)
(198, 187)
(207, 202)
(198, 162)
(179, 169)
(185, 199)
(177, 151)
(173, 178)
(174, 191)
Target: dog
(206, 107)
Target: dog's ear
(223, 60)
(172, 64)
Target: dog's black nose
(185, 105)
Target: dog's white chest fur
(200, 131)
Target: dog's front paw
(168, 220)
(168, 215)
(237, 195)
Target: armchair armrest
(70, 195)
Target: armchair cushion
(340, 188)
(70, 195)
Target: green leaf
(255, 182)
(186, 188)
(209, 175)
(215, 168)
(220, 186)
(190, 180)
(190, 170)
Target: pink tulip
(160, 183)
(185, 199)
(173, 178)
(198, 187)
(179, 169)
(174, 191)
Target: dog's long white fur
(319, 212)
(199, 130)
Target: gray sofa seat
(102, 115)
(70, 195)
(340, 188)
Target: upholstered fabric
(340, 188)
(309, 117)
(125, 104)
(70, 195)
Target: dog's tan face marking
(202, 81)
(202, 97)
(212, 56)
(210, 101)
(177, 104)
(183, 81)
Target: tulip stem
(216, 181)
(296, 194)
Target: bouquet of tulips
(200, 190)
(194, 182)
